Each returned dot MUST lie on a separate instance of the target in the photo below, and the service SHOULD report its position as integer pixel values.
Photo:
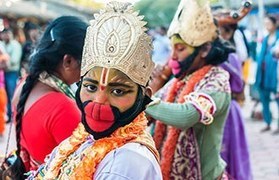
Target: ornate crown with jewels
(117, 39)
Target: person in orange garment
(4, 57)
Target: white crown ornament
(194, 23)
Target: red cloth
(50, 120)
(3, 104)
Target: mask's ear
(148, 91)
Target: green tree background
(161, 12)
(157, 12)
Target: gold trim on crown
(117, 39)
(194, 23)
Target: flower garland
(85, 165)
(169, 146)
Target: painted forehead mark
(104, 78)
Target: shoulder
(58, 98)
(131, 161)
(217, 79)
(58, 103)
(63, 105)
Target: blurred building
(236, 3)
(14, 13)
(254, 20)
(43, 10)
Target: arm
(174, 114)
(213, 97)
(186, 115)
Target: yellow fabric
(246, 70)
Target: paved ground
(4, 139)
(264, 147)
(264, 152)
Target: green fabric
(209, 137)
(56, 83)
(63, 87)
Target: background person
(32, 36)
(266, 74)
(13, 48)
(191, 115)
(46, 113)
(4, 58)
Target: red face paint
(99, 117)
(102, 88)
(104, 75)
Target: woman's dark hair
(219, 51)
(272, 19)
(64, 35)
(230, 27)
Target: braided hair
(272, 19)
(65, 35)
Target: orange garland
(92, 156)
(169, 145)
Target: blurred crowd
(14, 64)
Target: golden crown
(117, 39)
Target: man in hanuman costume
(193, 106)
(111, 142)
